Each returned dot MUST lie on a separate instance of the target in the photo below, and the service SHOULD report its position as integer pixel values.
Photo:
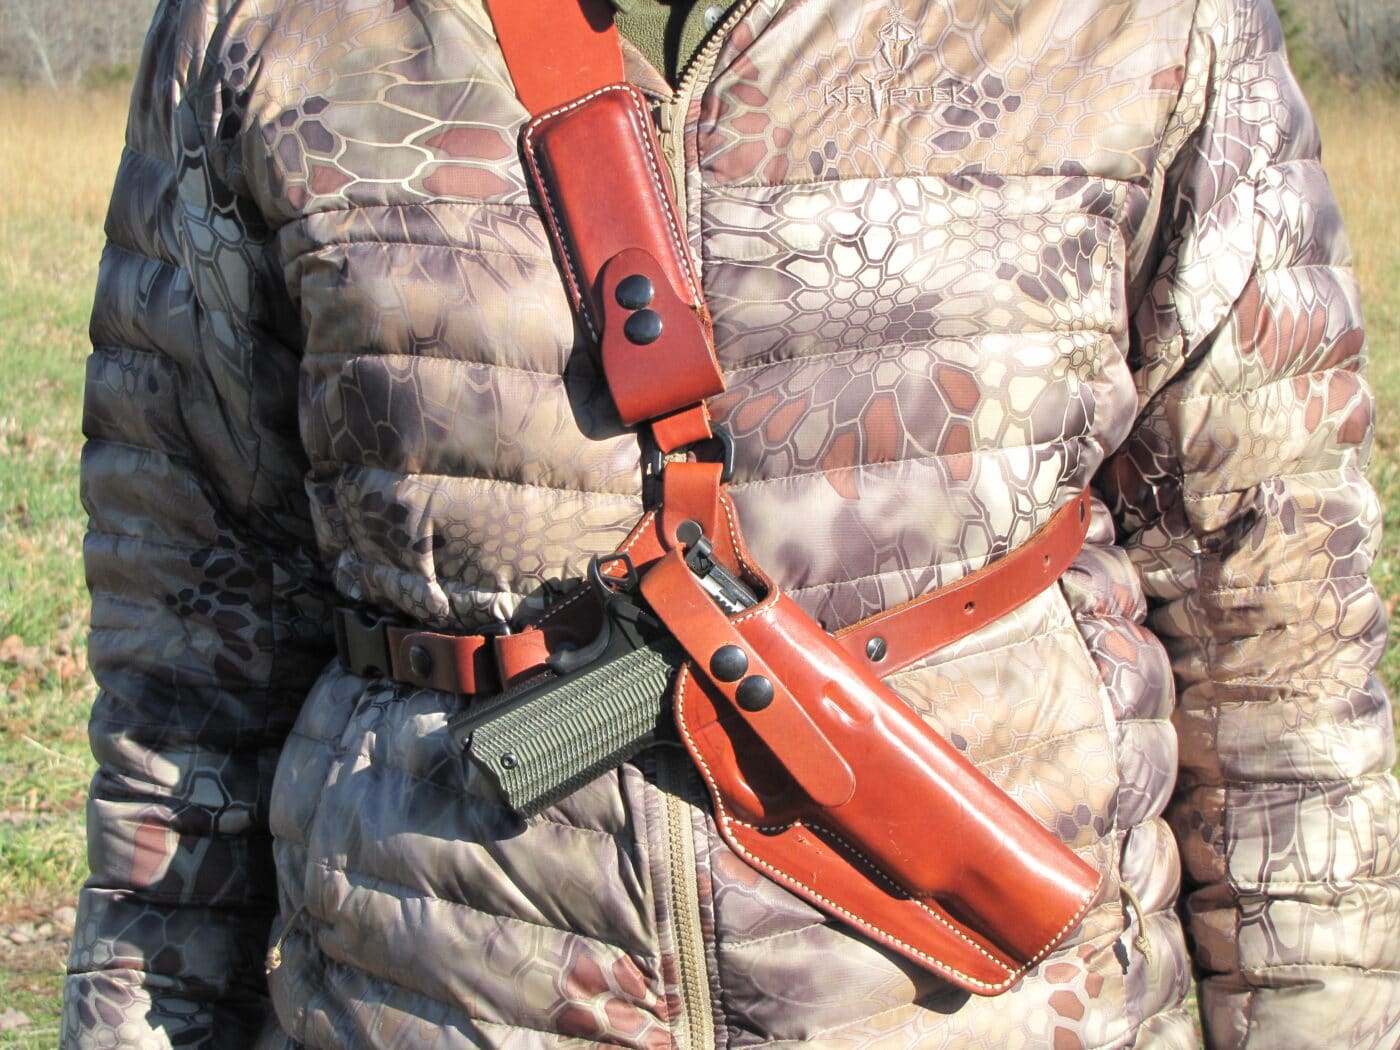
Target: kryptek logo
(889, 86)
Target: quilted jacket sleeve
(208, 620)
(1241, 497)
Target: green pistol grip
(538, 743)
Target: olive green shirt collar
(670, 35)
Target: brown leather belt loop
(375, 646)
(452, 663)
(681, 429)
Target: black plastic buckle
(607, 586)
(653, 463)
(724, 445)
(362, 641)
(654, 460)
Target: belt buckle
(362, 642)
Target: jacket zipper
(672, 115)
(695, 1027)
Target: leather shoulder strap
(557, 50)
(593, 158)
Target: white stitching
(673, 229)
(570, 273)
(726, 819)
(637, 115)
(637, 533)
(771, 598)
(555, 610)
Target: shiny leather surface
(911, 631)
(678, 369)
(788, 728)
(557, 52)
(842, 792)
(597, 167)
(455, 663)
(691, 491)
(679, 429)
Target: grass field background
(57, 167)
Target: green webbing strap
(549, 740)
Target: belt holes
(1082, 510)
(969, 607)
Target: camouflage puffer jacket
(964, 258)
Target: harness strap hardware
(362, 641)
(376, 646)
(479, 664)
(822, 777)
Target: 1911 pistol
(599, 705)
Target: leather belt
(481, 664)
(373, 645)
(488, 661)
(901, 636)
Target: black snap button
(634, 292)
(754, 693)
(876, 649)
(420, 661)
(729, 663)
(689, 532)
(643, 327)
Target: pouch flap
(597, 167)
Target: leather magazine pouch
(827, 782)
(596, 166)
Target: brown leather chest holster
(822, 778)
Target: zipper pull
(274, 954)
(1140, 942)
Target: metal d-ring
(654, 460)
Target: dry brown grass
(60, 153)
(57, 166)
(1361, 149)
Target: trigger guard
(567, 661)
